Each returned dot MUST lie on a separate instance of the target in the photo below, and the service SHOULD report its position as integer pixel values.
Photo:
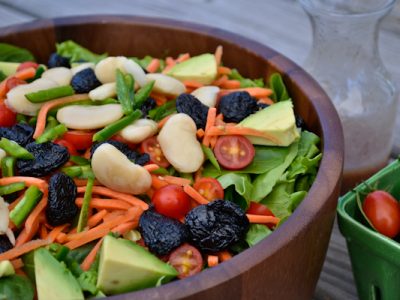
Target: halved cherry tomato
(81, 140)
(68, 145)
(152, 147)
(26, 65)
(7, 116)
(187, 260)
(383, 211)
(234, 152)
(209, 188)
(13, 82)
(259, 209)
(171, 201)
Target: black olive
(85, 81)
(160, 233)
(217, 225)
(61, 207)
(19, 133)
(48, 157)
(137, 158)
(5, 243)
(190, 105)
(56, 60)
(237, 106)
(148, 105)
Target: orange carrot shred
(231, 84)
(237, 130)
(200, 133)
(182, 57)
(256, 92)
(211, 116)
(153, 65)
(224, 255)
(176, 180)
(56, 232)
(220, 81)
(212, 260)
(90, 258)
(96, 218)
(100, 203)
(17, 263)
(158, 182)
(61, 238)
(162, 122)
(33, 218)
(160, 98)
(43, 232)
(29, 181)
(218, 55)
(266, 100)
(151, 167)
(125, 227)
(195, 195)
(224, 70)
(25, 248)
(262, 219)
(192, 84)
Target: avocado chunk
(6, 268)
(53, 279)
(277, 120)
(125, 266)
(201, 68)
(9, 68)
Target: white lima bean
(166, 84)
(17, 101)
(104, 91)
(207, 95)
(139, 130)
(61, 75)
(179, 144)
(81, 67)
(86, 117)
(113, 169)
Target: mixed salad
(123, 173)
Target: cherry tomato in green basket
(383, 211)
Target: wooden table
(280, 24)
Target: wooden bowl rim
(324, 186)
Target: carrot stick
(83, 182)
(162, 122)
(224, 70)
(213, 141)
(169, 61)
(266, 100)
(41, 120)
(236, 130)
(211, 116)
(151, 167)
(125, 227)
(90, 258)
(192, 84)
(158, 182)
(176, 180)
(96, 218)
(111, 215)
(220, 81)
(218, 55)
(200, 133)
(25, 248)
(43, 232)
(17, 263)
(231, 84)
(100, 203)
(61, 238)
(56, 232)
(182, 57)
(40, 183)
(195, 195)
(153, 66)
(212, 260)
(224, 255)
(256, 92)
(160, 99)
(103, 191)
(262, 219)
(25, 73)
(34, 216)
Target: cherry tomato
(383, 211)
(81, 140)
(68, 145)
(234, 152)
(187, 260)
(152, 147)
(119, 138)
(26, 65)
(13, 82)
(261, 210)
(7, 116)
(171, 201)
(209, 188)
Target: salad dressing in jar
(345, 61)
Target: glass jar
(345, 60)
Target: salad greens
(279, 88)
(256, 233)
(125, 91)
(16, 287)
(77, 53)
(245, 82)
(10, 53)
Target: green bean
(52, 133)
(15, 150)
(82, 172)
(11, 188)
(125, 91)
(21, 118)
(26, 205)
(142, 95)
(83, 216)
(80, 161)
(50, 94)
(8, 166)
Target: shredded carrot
(25, 73)
(266, 100)
(198, 174)
(125, 227)
(96, 218)
(231, 84)
(153, 65)
(25, 248)
(56, 232)
(29, 181)
(262, 219)
(90, 258)
(169, 61)
(182, 57)
(34, 217)
(218, 55)
(220, 81)
(43, 232)
(176, 180)
(160, 98)
(213, 141)
(162, 122)
(111, 215)
(41, 120)
(151, 167)
(224, 255)
(224, 70)
(212, 260)
(61, 238)
(192, 84)
(17, 263)
(236, 130)
(158, 182)
(100, 203)
(256, 92)
(211, 116)
(83, 182)
(200, 133)
(101, 190)
(195, 195)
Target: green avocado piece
(6, 268)
(125, 266)
(53, 279)
(277, 120)
(9, 68)
(202, 68)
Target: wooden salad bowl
(285, 265)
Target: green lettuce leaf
(10, 53)
(2, 76)
(245, 82)
(241, 182)
(256, 233)
(16, 287)
(277, 85)
(211, 157)
(77, 53)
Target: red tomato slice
(209, 188)
(152, 147)
(26, 65)
(81, 140)
(7, 116)
(234, 152)
(187, 260)
(261, 210)
(68, 145)
(171, 201)
(13, 82)
(383, 211)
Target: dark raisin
(84, 81)
(19, 133)
(137, 158)
(160, 233)
(61, 207)
(300, 123)
(190, 105)
(148, 105)
(217, 225)
(5, 243)
(56, 60)
(262, 105)
(237, 106)
(48, 157)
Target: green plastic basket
(375, 258)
